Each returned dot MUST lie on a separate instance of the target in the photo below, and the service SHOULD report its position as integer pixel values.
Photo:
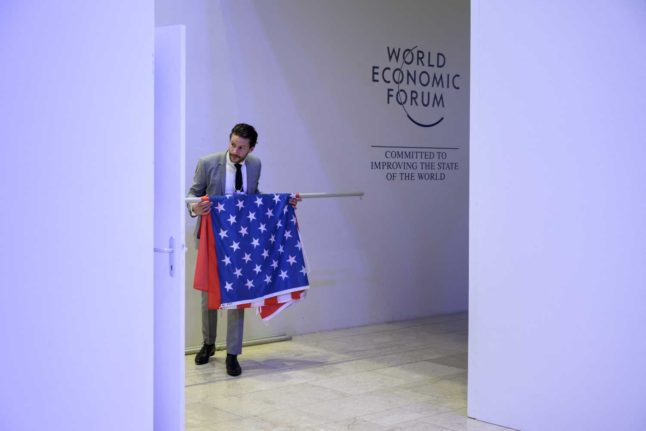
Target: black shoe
(205, 352)
(233, 367)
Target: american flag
(258, 259)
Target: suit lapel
(221, 174)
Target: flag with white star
(258, 253)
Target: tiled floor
(408, 375)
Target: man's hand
(201, 208)
(295, 200)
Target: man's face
(239, 148)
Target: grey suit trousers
(235, 325)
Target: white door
(169, 229)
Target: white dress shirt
(230, 181)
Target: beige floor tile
(362, 344)
(359, 383)
(354, 424)
(447, 387)
(350, 407)
(204, 412)
(417, 426)
(344, 367)
(245, 405)
(232, 386)
(400, 396)
(304, 393)
(267, 400)
(403, 375)
(197, 393)
(359, 330)
(457, 361)
(294, 395)
(455, 403)
(250, 424)
(406, 413)
(410, 355)
(292, 418)
(454, 387)
(351, 365)
(458, 422)
(289, 354)
(419, 372)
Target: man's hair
(245, 131)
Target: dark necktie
(238, 177)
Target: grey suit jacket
(210, 176)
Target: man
(233, 171)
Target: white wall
(301, 73)
(557, 232)
(76, 189)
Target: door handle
(171, 255)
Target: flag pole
(331, 195)
(303, 196)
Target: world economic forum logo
(418, 81)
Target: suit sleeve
(258, 178)
(199, 184)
